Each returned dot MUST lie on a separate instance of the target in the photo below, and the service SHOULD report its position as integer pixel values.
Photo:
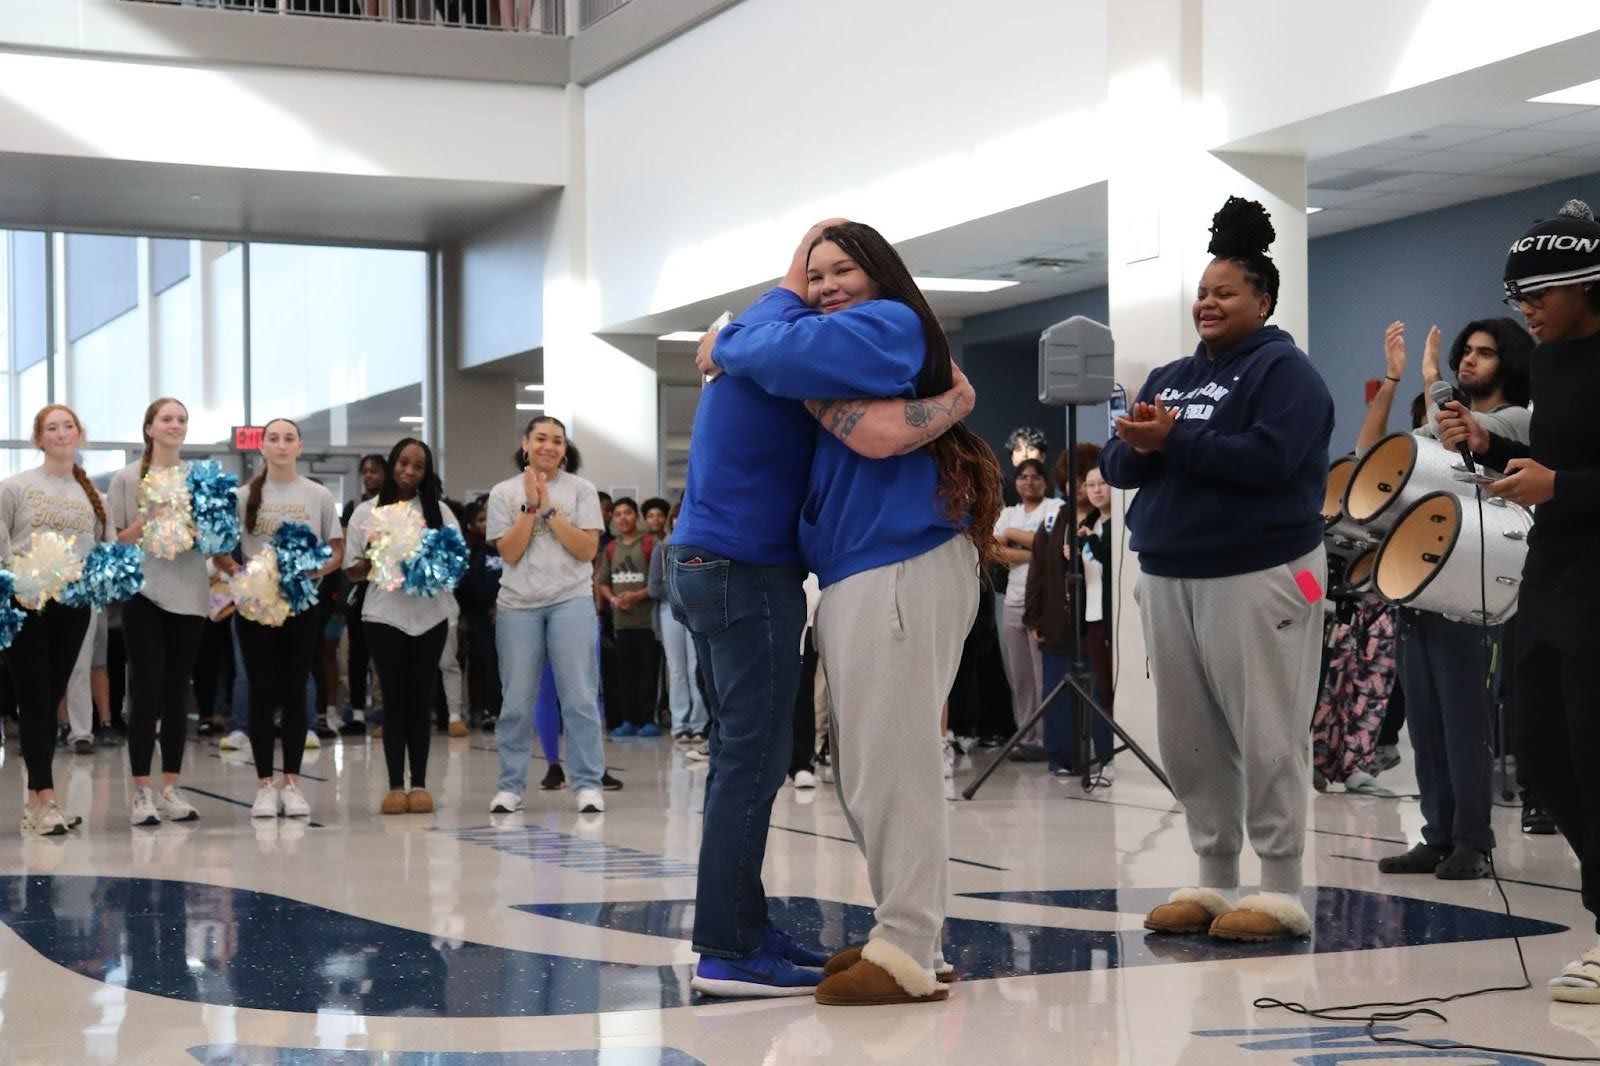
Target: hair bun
(1576, 209)
(1241, 229)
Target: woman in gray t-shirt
(278, 659)
(545, 522)
(161, 625)
(405, 633)
(54, 497)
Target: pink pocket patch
(1309, 586)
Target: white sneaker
(294, 804)
(699, 754)
(174, 807)
(26, 827)
(237, 740)
(825, 773)
(143, 811)
(1102, 775)
(591, 801)
(805, 779)
(49, 820)
(311, 740)
(505, 803)
(267, 804)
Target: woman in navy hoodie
(895, 543)
(1229, 451)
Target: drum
(1358, 579)
(1398, 471)
(1438, 559)
(1345, 540)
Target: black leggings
(40, 660)
(277, 661)
(408, 670)
(161, 651)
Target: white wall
(502, 288)
(709, 157)
(280, 119)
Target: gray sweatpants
(890, 641)
(1235, 662)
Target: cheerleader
(54, 497)
(161, 625)
(278, 659)
(406, 634)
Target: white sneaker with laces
(294, 804)
(267, 804)
(237, 740)
(591, 801)
(505, 803)
(26, 827)
(143, 810)
(311, 740)
(805, 779)
(173, 806)
(49, 820)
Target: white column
(1165, 185)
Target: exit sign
(248, 438)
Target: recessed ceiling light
(1585, 95)
(961, 284)
(530, 407)
(692, 336)
(1312, 210)
(411, 420)
(533, 388)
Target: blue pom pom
(300, 555)
(11, 616)
(437, 564)
(213, 496)
(112, 573)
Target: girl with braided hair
(1229, 451)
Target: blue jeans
(689, 713)
(565, 633)
(1061, 718)
(746, 621)
(239, 704)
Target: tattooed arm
(881, 428)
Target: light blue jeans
(689, 713)
(565, 632)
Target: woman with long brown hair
(161, 624)
(896, 543)
(58, 497)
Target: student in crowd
(406, 633)
(357, 660)
(545, 523)
(655, 512)
(1442, 662)
(86, 708)
(907, 531)
(1096, 544)
(55, 496)
(1233, 609)
(622, 581)
(161, 626)
(278, 659)
(1014, 535)
(476, 595)
(690, 719)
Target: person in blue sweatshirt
(734, 579)
(895, 543)
(1229, 451)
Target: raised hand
(1430, 357)
(1394, 350)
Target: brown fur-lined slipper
(883, 976)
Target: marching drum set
(1402, 523)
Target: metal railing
(513, 16)
(592, 11)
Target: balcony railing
(512, 16)
(592, 11)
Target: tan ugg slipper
(883, 976)
(1188, 910)
(1260, 919)
(850, 956)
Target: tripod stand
(1079, 676)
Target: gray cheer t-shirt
(301, 500)
(412, 615)
(547, 574)
(33, 501)
(178, 585)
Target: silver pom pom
(1576, 209)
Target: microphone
(1441, 393)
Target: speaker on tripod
(1076, 369)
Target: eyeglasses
(1534, 300)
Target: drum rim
(1355, 464)
(1455, 537)
(1411, 468)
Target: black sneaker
(83, 746)
(554, 778)
(106, 737)
(353, 729)
(1464, 864)
(206, 728)
(324, 730)
(609, 783)
(1536, 821)
(1029, 753)
(1421, 859)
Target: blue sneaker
(624, 730)
(765, 974)
(780, 943)
(649, 729)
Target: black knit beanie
(1564, 250)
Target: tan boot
(394, 802)
(458, 729)
(850, 956)
(1262, 918)
(1188, 910)
(883, 976)
(419, 802)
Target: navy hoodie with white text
(1238, 486)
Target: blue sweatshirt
(1239, 485)
(859, 513)
(749, 463)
